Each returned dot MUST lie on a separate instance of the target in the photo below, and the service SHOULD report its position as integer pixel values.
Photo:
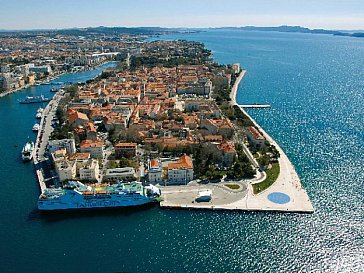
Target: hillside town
(162, 117)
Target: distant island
(300, 29)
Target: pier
(255, 106)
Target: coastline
(234, 89)
(51, 78)
(3, 94)
(287, 183)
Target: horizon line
(163, 27)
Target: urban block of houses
(155, 171)
(125, 149)
(120, 173)
(222, 127)
(67, 144)
(181, 172)
(255, 138)
(94, 147)
(76, 119)
(77, 166)
(228, 151)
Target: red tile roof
(184, 162)
(255, 133)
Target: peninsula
(166, 115)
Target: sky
(41, 14)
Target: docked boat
(75, 195)
(35, 99)
(27, 152)
(53, 89)
(36, 127)
(39, 113)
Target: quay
(285, 195)
(255, 106)
(41, 162)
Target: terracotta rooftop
(125, 145)
(184, 162)
(77, 115)
(227, 147)
(91, 143)
(79, 156)
(154, 163)
(255, 133)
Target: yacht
(36, 127)
(27, 152)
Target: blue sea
(315, 84)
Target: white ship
(75, 195)
(27, 152)
(36, 127)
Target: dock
(255, 106)
(41, 162)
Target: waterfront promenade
(41, 162)
(285, 195)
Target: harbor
(321, 138)
(45, 175)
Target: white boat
(39, 113)
(27, 152)
(204, 196)
(75, 195)
(36, 127)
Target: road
(41, 161)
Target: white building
(120, 173)
(181, 172)
(94, 147)
(68, 144)
(82, 169)
(66, 170)
(89, 170)
(255, 138)
(41, 69)
(154, 171)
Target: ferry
(76, 196)
(36, 99)
(36, 127)
(27, 152)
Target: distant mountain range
(161, 30)
(98, 30)
(300, 29)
